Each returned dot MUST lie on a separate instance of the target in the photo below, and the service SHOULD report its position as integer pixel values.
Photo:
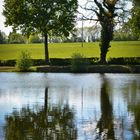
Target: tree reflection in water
(136, 127)
(134, 107)
(41, 123)
(105, 128)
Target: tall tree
(135, 20)
(44, 16)
(106, 12)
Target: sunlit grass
(65, 50)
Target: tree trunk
(103, 58)
(46, 49)
(106, 37)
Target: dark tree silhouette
(105, 124)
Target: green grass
(65, 50)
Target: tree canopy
(43, 16)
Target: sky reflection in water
(69, 106)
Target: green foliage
(135, 20)
(2, 37)
(125, 34)
(7, 62)
(24, 61)
(43, 16)
(16, 38)
(79, 63)
(35, 39)
(67, 61)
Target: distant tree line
(18, 38)
(122, 34)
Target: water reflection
(134, 107)
(69, 106)
(40, 123)
(105, 126)
(136, 126)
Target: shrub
(24, 62)
(78, 63)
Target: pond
(54, 106)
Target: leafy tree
(135, 20)
(43, 16)
(35, 39)
(124, 34)
(16, 38)
(107, 11)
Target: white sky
(2, 18)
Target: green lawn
(65, 50)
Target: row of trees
(58, 18)
(89, 35)
(17, 38)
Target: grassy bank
(65, 50)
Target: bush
(24, 62)
(79, 63)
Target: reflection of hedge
(67, 61)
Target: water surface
(56, 106)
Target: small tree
(79, 63)
(44, 16)
(24, 61)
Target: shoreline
(90, 69)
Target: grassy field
(65, 50)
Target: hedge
(67, 61)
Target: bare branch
(105, 5)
